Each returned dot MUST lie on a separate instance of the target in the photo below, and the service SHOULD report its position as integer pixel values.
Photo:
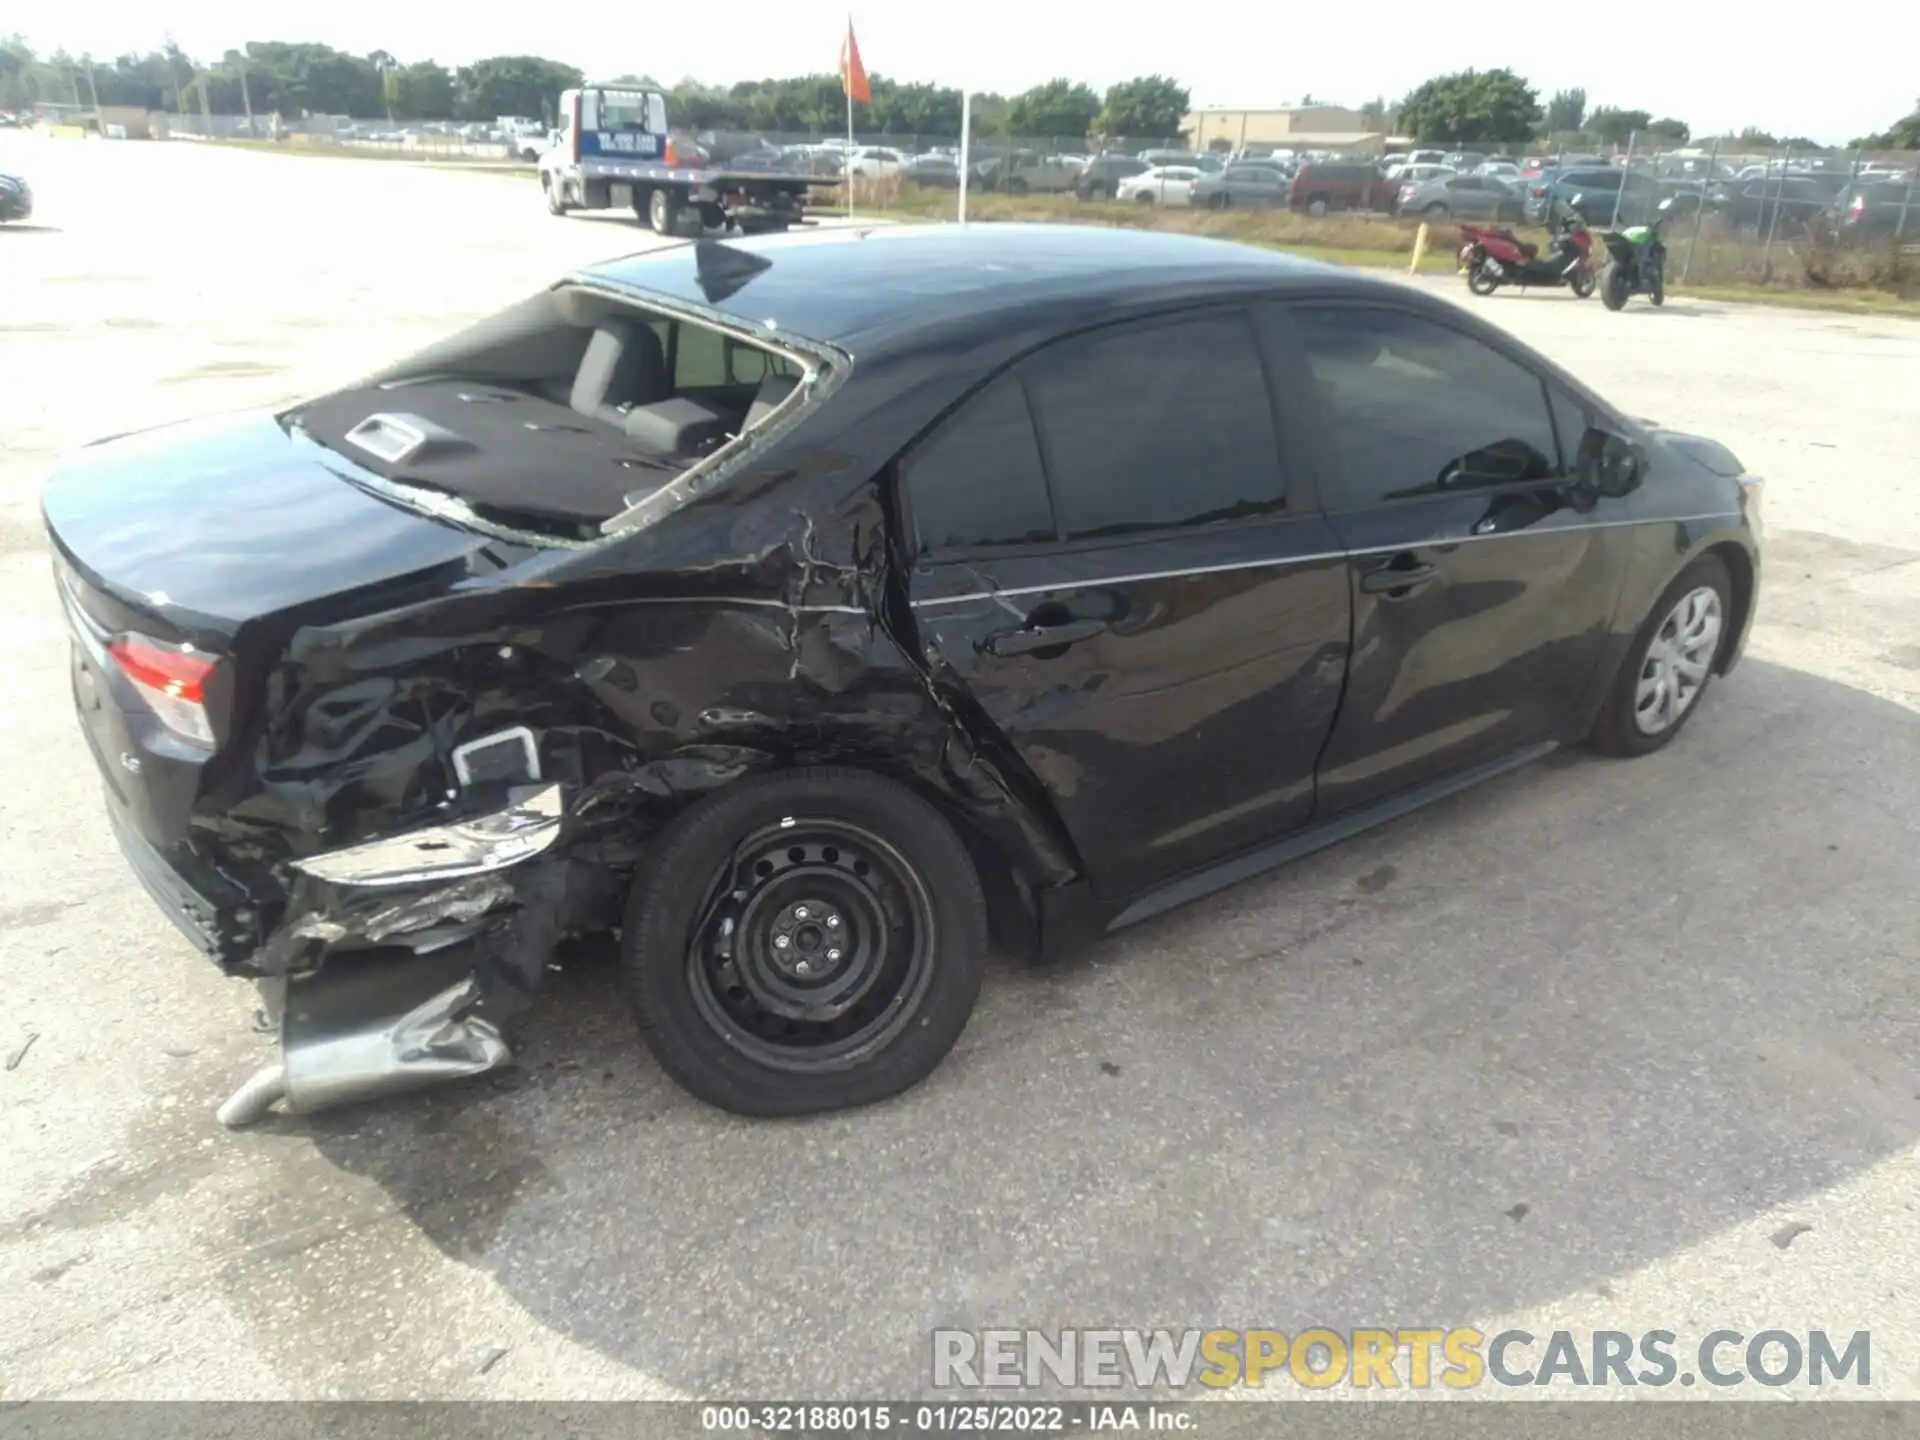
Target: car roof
(895, 287)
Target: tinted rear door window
(1153, 427)
(976, 480)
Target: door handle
(1397, 582)
(1030, 638)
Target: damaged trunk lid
(185, 557)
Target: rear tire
(1438, 207)
(713, 217)
(663, 211)
(1583, 283)
(1613, 294)
(1663, 647)
(731, 1013)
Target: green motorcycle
(1638, 262)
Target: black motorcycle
(1638, 261)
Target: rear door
(1118, 556)
(1483, 585)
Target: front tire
(1614, 293)
(1667, 671)
(1481, 280)
(1657, 291)
(805, 941)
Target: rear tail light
(172, 680)
(1858, 208)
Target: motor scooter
(1494, 256)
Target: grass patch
(1723, 266)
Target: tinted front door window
(1481, 590)
(1419, 410)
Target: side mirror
(1609, 465)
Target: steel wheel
(815, 947)
(1678, 661)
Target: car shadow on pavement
(1523, 1043)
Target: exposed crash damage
(629, 609)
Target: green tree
(1378, 114)
(915, 109)
(1147, 105)
(1057, 108)
(513, 85)
(1667, 132)
(1902, 135)
(1613, 126)
(1566, 111)
(1471, 106)
(421, 91)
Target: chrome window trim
(1268, 561)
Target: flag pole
(846, 83)
(966, 148)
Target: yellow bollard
(1419, 248)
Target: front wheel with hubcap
(804, 941)
(1671, 663)
(1481, 280)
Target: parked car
(1170, 185)
(1468, 197)
(16, 198)
(876, 162)
(1339, 185)
(1040, 175)
(1499, 170)
(1101, 177)
(1877, 207)
(391, 689)
(1170, 157)
(1784, 204)
(936, 172)
(1602, 195)
(1246, 185)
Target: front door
(1483, 583)
(1112, 561)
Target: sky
(1718, 73)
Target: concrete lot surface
(1602, 1045)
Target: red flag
(853, 75)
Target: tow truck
(614, 151)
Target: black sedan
(807, 608)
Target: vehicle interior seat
(624, 366)
(773, 390)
